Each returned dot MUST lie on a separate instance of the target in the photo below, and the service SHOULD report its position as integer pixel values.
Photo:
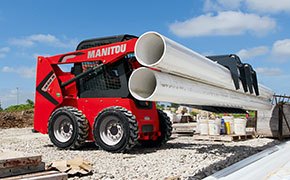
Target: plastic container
(240, 126)
(178, 118)
(230, 120)
(203, 126)
(228, 128)
(222, 131)
(214, 127)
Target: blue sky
(257, 30)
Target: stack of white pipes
(174, 73)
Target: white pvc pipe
(272, 163)
(157, 51)
(149, 85)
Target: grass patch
(20, 107)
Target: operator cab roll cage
(97, 80)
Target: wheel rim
(111, 130)
(63, 128)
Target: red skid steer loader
(83, 96)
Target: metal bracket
(239, 71)
(217, 109)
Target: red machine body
(51, 93)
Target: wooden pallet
(45, 175)
(226, 138)
(184, 128)
(13, 164)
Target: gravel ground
(181, 157)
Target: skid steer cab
(83, 96)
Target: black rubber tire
(165, 126)
(80, 127)
(129, 127)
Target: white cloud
(9, 96)
(269, 71)
(47, 39)
(4, 51)
(259, 6)
(221, 5)
(253, 52)
(7, 69)
(268, 6)
(281, 49)
(35, 55)
(279, 52)
(43, 38)
(224, 23)
(26, 72)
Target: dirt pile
(19, 119)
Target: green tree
(30, 102)
(160, 106)
(174, 105)
(21, 107)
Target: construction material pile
(180, 75)
(225, 125)
(17, 119)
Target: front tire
(115, 129)
(68, 128)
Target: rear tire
(165, 126)
(115, 129)
(68, 128)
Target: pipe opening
(142, 83)
(149, 48)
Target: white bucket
(214, 127)
(230, 119)
(240, 126)
(178, 118)
(203, 126)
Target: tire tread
(82, 122)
